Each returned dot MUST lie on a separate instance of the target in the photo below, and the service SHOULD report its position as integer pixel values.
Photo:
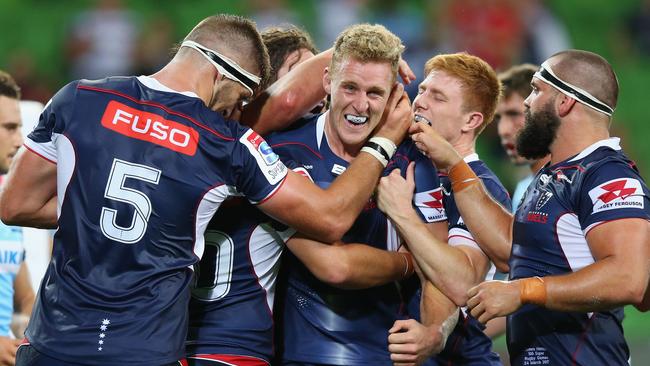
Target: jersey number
(214, 272)
(115, 190)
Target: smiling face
(10, 135)
(440, 103)
(359, 92)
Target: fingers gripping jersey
(140, 172)
(326, 325)
(563, 203)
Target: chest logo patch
(617, 193)
(430, 204)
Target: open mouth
(419, 118)
(356, 120)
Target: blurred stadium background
(44, 44)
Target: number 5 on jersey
(116, 190)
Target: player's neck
(464, 148)
(176, 77)
(568, 143)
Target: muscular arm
(619, 276)
(289, 98)
(453, 270)
(350, 266)
(493, 235)
(29, 195)
(327, 214)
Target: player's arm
(289, 98)
(327, 214)
(23, 292)
(352, 265)
(619, 276)
(29, 197)
(23, 301)
(493, 235)
(452, 269)
(411, 342)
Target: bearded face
(539, 131)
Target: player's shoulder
(491, 182)
(302, 135)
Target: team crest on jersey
(617, 193)
(430, 204)
(267, 160)
(543, 199)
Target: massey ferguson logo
(430, 204)
(617, 193)
(436, 202)
(150, 127)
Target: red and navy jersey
(467, 344)
(563, 203)
(140, 172)
(326, 325)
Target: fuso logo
(150, 127)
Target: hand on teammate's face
(434, 146)
(492, 299)
(397, 116)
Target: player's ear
(327, 81)
(564, 105)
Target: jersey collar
(471, 157)
(154, 84)
(612, 142)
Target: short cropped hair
(479, 82)
(8, 86)
(236, 35)
(516, 80)
(281, 41)
(367, 43)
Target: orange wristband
(408, 261)
(462, 176)
(532, 291)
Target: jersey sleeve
(261, 172)
(428, 197)
(51, 123)
(611, 191)
(459, 234)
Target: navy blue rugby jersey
(326, 325)
(467, 344)
(140, 171)
(563, 203)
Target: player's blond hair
(480, 85)
(367, 43)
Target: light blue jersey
(12, 254)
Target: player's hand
(405, 72)
(394, 193)
(434, 146)
(397, 116)
(411, 343)
(8, 348)
(492, 299)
